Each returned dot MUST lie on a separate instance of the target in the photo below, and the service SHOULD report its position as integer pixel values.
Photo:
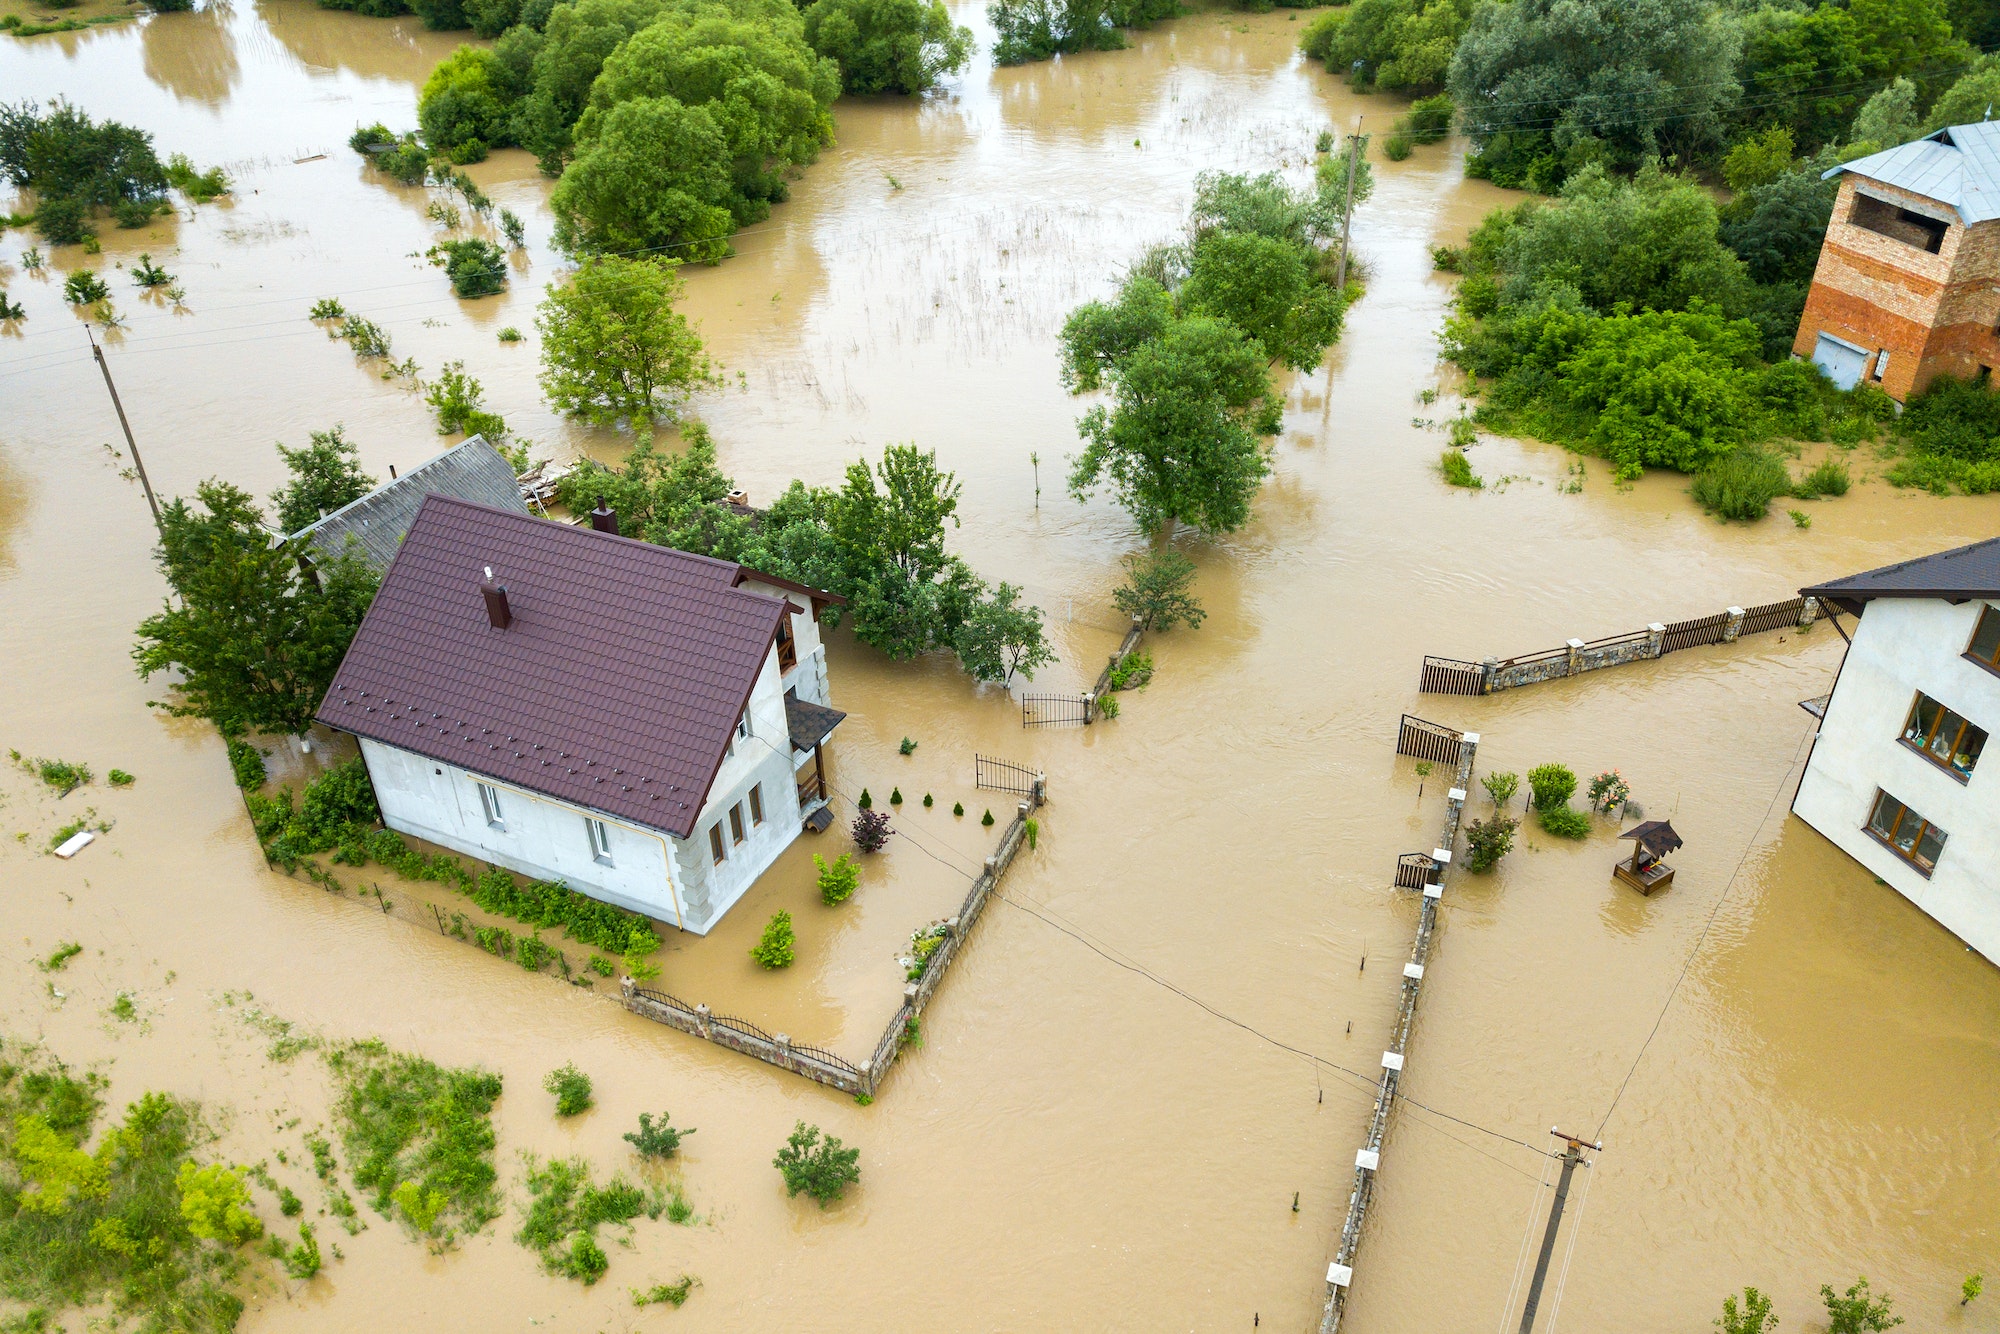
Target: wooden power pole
(1572, 1155)
(151, 500)
(1347, 205)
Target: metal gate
(1413, 870)
(1772, 616)
(1449, 676)
(1003, 776)
(1693, 634)
(1054, 710)
(1427, 740)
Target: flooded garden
(1138, 1094)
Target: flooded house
(372, 526)
(1895, 777)
(643, 724)
(1908, 282)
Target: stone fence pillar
(1575, 656)
(1656, 639)
(701, 1021)
(1487, 668)
(1734, 626)
(1808, 613)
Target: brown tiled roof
(616, 686)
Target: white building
(1896, 777)
(642, 724)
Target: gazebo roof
(1655, 836)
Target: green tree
(1037, 29)
(1001, 637)
(61, 153)
(475, 266)
(1803, 71)
(906, 594)
(1968, 98)
(215, 1204)
(1753, 1315)
(256, 644)
(1265, 288)
(1776, 228)
(1399, 44)
(326, 474)
(562, 65)
(466, 104)
(614, 347)
(1758, 161)
(1155, 592)
(819, 1167)
(776, 947)
(1180, 442)
(653, 175)
(888, 46)
(838, 879)
(1857, 1311)
(1627, 80)
(1887, 119)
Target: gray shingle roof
(810, 724)
(1959, 165)
(617, 685)
(472, 470)
(1963, 572)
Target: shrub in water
(837, 879)
(1742, 484)
(571, 1088)
(1608, 791)
(1487, 841)
(1397, 146)
(871, 830)
(673, 1294)
(987, 819)
(656, 1139)
(247, 762)
(896, 797)
(775, 948)
(215, 1204)
(958, 808)
(476, 267)
(1829, 478)
(119, 778)
(819, 1167)
(1457, 469)
(1563, 821)
(1552, 785)
(927, 801)
(866, 801)
(1501, 787)
(84, 287)
(907, 746)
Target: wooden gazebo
(1650, 841)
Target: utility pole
(1347, 207)
(1571, 1157)
(151, 500)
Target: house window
(1881, 365)
(1905, 833)
(1985, 647)
(1899, 224)
(1944, 738)
(715, 844)
(736, 822)
(489, 803)
(757, 804)
(788, 644)
(743, 726)
(600, 840)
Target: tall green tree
(613, 346)
(1267, 289)
(652, 178)
(326, 474)
(888, 46)
(255, 642)
(1001, 638)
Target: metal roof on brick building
(1956, 575)
(1959, 165)
(615, 685)
(472, 470)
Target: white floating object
(1456, 794)
(1413, 970)
(1392, 1060)
(1433, 891)
(1367, 1158)
(1340, 1275)
(1442, 856)
(76, 843)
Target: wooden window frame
(1888, 839)
(736, 824)
(1971, 654)
(756, 804)
(599, 834)
(716, 847)
(1924, 745)
(788, 644)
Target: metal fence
(1449, 676)
(1054, 710)
(1413, 870)
(825, 1057)
(1003, 776)
(743, 1026)
(1428, 740)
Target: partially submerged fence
(824, 1066)
(1427, 872)
(1004, 776)
(1454, 676)
(1061, 710)
(1427, 740)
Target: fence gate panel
(1772, 616)
(1413, 870)
(1054, 710)
(1693, 634)
(1449, 676)
(1427, 740)
(1003, 776)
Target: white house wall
(1902, 646)
(808, 674)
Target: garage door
(1842, 361)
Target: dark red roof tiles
(616, 686)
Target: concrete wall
(808, 676)
(1933, 314)
(673, 880)
(1903, 646)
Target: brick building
(1908, 282)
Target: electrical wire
(1527, 1237)
(1569, 1253)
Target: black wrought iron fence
(1413, 870)
(1003, 776)
(1450, 676)
(1054, 710)
(1427, 740)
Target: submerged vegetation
(565, 1209)
(1951, 434)
(419, 1137)
(818, 1166)
(77, 168)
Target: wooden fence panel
(1695, 633)
(1772, 616)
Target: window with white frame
(600, 840)
(489, 804)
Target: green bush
(571, 1088)
(1457, 469)
(1429, 118)
(1487, 841)
(419, 1136)
(83, 288)
(819, 1167)
(1552, 784)
(837, 879)
(1828, 478)
(247, 763)
(1563, 821)
(1501, 787)
(565, 1210)
(775, 948)
(476, 267)
(1397, 146)
(1742, 484)
(656, 1140)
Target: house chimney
(604, 519)
(496, 602)
(392, 472)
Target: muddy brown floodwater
(1076, 1145)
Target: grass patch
(1742, 484)
(1457, 470)
(1829, 478)
(60, 957)
(63, 775)
(565, 1209)
(419, 1137)
(673, 1294)
(111, 1225)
